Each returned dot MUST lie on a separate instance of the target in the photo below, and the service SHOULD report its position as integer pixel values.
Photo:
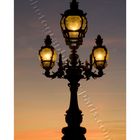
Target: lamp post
(74, 26)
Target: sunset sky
(40, 103)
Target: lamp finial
(99, 40)
(74, 4)
(48, 40)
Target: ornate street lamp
(74, 26)
(99, 54)
(47, 54)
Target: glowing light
(47, 56)
(99, 56)
(73, 34)
(73, 23)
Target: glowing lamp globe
(99, 54)
(74, 25)
(47, 55)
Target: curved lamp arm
(59, 73)
(73, 68)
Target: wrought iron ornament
(73, 69)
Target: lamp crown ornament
(99, 40)
(48, 41)
(74, 4)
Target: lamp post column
(73, 115)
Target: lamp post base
(71, 133)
